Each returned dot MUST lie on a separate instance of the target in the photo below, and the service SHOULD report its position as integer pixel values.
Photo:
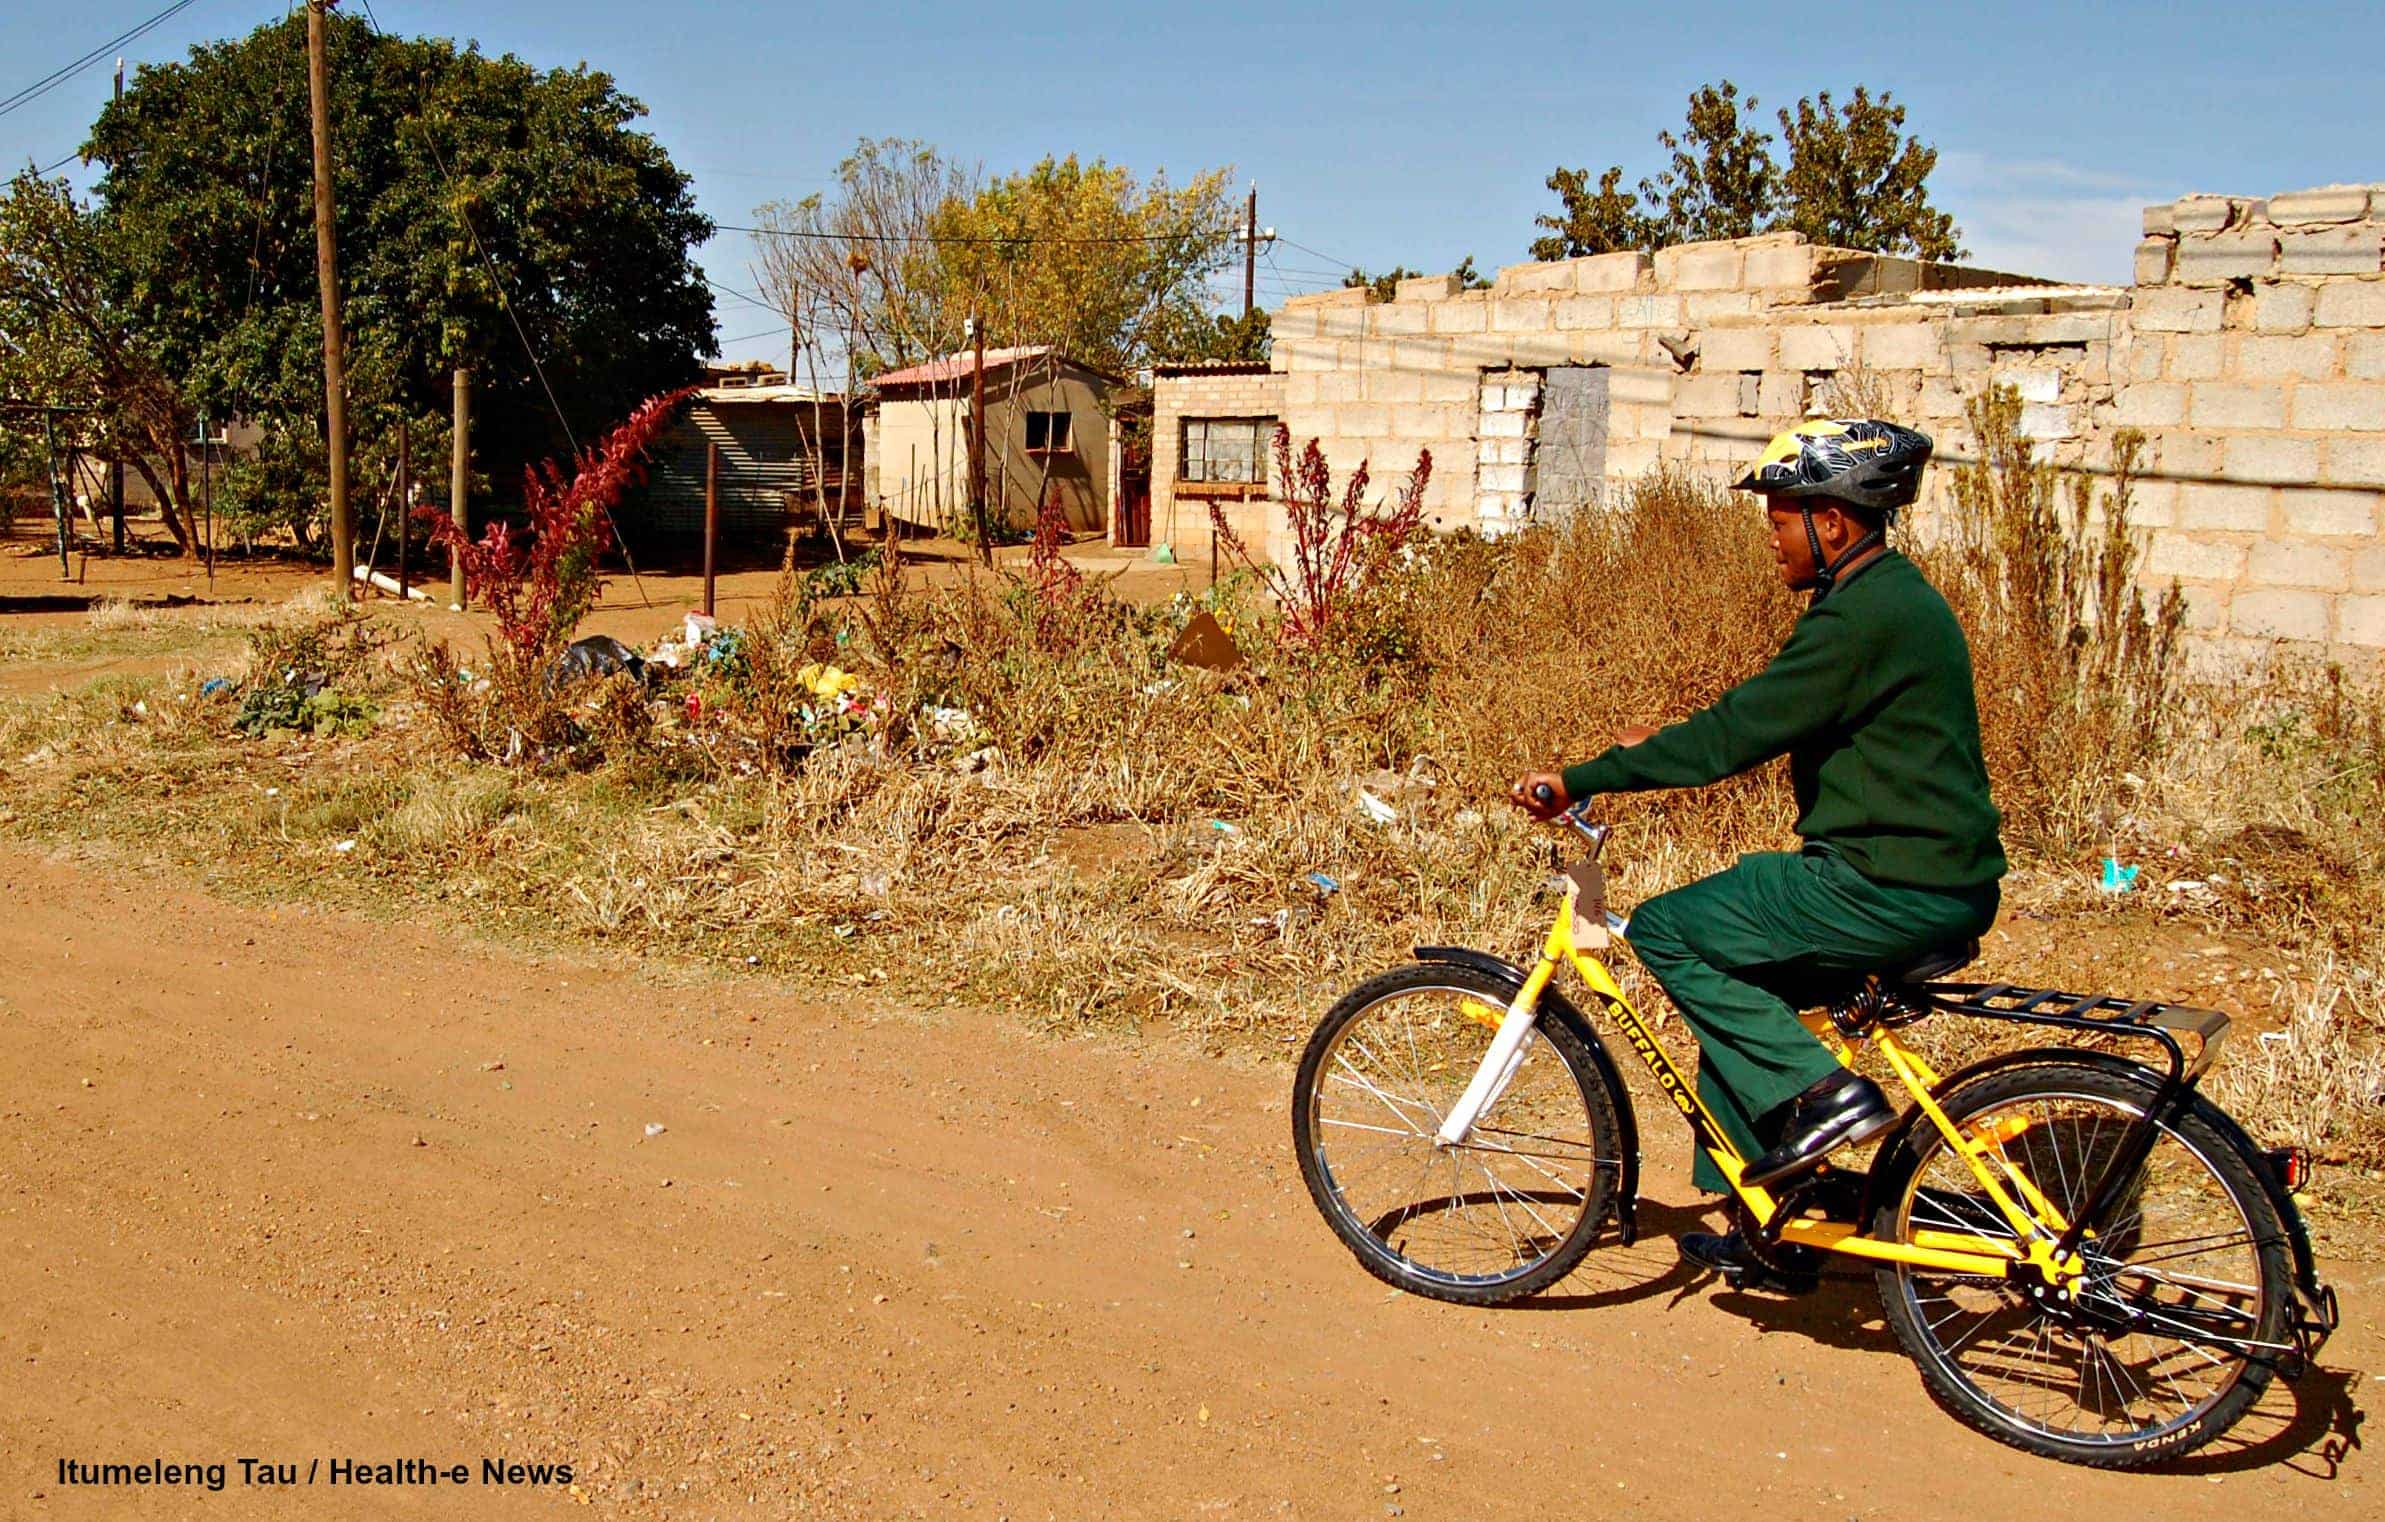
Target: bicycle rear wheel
(1505, 1214)
(2175, 1328)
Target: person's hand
(1632, 734)
(1540, 794)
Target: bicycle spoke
(2172, 1297)
(1514, 1192)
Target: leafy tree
(67, 339)
(1721, 182)
(1382, 287)
(1853, 179)
(1604, 220)
(1386, 286)
(1111, 270)
(475, 193)
(1229, 337)
(1856, 180)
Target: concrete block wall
(1201, 393)
(2258, 373)
(2251, 353)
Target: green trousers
(1742, 951)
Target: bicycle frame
(2043, 1246)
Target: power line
(748, 297)
(65, 72)
(1019, 238)
(504, 297)
(746, 338)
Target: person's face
(1794, 553)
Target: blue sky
(1396, 133)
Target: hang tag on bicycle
(1589, 885)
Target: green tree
(1852, 179)
(1604, 219)
(1083, 256)
(67, 339)
(1721, 182)
(1856, 180)
(475, 194)
(1386, 286)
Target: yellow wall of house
(922, 458)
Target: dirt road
(297, 1187)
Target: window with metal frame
(1225, 450)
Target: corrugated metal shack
(784, 449)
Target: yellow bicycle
(2085, 1256)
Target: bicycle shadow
(1843, 1313)
(2309, 1426)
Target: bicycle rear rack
(2095, 1014)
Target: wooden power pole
(459, 482)
(977, 508)
(327, 274)
(1250, 250)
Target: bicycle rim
(1487, 1212)
(2174, 1274)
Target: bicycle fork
(1499, 1064)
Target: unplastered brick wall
(2254, 366)
(2258, 373)
(1207, 392)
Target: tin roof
(957, 366)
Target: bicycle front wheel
(1506, 1213)
(2177, 1324)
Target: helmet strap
(1826, 573)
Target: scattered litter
(1325, 885)
(2188, 885)
(345, 846)
(1223, 828)
(700, 628)
(955, 726)
(875, 884)
(655, 1128)
(1375, 808)
(2117, 878)
(214, 685)
(599, 655)
(1165, 554)
(986, 762)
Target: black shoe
(1732, 1257)
(1841, 1110)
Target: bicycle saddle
(1932, 965)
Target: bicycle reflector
(2291, 1166)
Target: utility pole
(985, 538)
(1250, 250)
(327, 274)
(405, 511)
(459, 482)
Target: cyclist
(1871, 699)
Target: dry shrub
(2319, 1082)
(2075, 668)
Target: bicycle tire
(1603, 1131)
(2189, 1143)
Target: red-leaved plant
(1064, 601)
(540, 581)
(1336, 547)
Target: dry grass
(1110, 837)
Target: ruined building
(2250, 352)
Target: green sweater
(1871, 699)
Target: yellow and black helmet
(1870, 465)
